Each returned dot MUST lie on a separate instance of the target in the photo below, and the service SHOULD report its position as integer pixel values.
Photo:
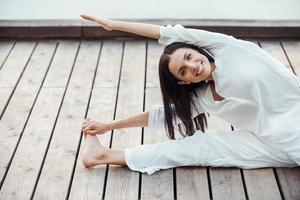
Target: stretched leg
(97, 154)
(217, 149)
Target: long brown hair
(177, 99)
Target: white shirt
(261, 94)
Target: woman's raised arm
(148, 30)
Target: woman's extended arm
(92, 127)
(148, 30)
(139, 120)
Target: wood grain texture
(20, 105)
(121, 182)
(261, 184)
(5, 94)
(160, 184)
(5, 49)
(12, 68)
(39, 98)
(289, 179)
(101, 109)
(15, 63)
(58, 167)
(27, 161)
(62, 64)
(292, 50)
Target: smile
(199, 68)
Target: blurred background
(154, 9)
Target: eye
(183, 71)
(189, 56)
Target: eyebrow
(181, 68)
(184, 56)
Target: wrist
(113, 25)
(112, 125)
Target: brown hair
(177, 99)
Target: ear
(183, 83)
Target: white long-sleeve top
(261, 94)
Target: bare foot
(95, 153)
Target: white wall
(183, 9)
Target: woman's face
(189, 66)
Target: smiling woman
(190, 65)
(196, 68)
(180, 75)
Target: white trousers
(237, 148)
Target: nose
(193, 68)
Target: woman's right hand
(93, 128)
(105, 23)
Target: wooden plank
(101, 108)
(261, 184)
(59, 163)
(160, 184)
(153, 56)
(288, 178)
(15, 63)
(5, 49)
(19, 108)
(12, 70)
(292, 50)
(121, 182)
(29, 155)
(4, 98)
(192, 183)
(255, 179)
(62, 64)
(226, 183)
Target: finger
(92, 132)
(86, 121)
(88, 127)
(85, 128)
(87, 17)
(84, 16)
(84, 125)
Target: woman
(200, 72)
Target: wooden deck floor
(47, 88)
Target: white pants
(237, 148)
